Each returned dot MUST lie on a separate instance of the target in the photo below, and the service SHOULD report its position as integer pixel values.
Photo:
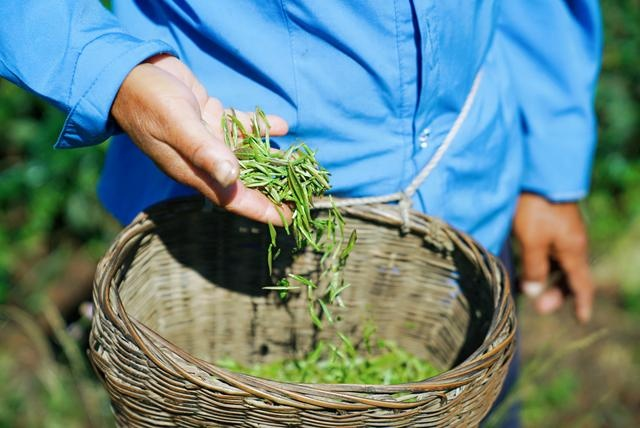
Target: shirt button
(424, 138)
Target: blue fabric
(374, 86)
(75, 55)
(557, 71)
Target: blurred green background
(53, 231)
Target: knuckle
(577, 243)
(197, 155)
(586, 288)
(215, 104)
(535, 273)
(532, 239)
(213, 112)
(580, 242)
(184, 178)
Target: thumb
(535, 269)
(193, 140)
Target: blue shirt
(375, 86)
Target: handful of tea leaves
(293, 177)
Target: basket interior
(196, 279)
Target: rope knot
(405, 204)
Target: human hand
(555, 231)
(169, 115)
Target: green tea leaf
(293, 178)
(352, 241)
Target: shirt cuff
(101, 68)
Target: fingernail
(226, 173)
(532, 288)
(549, 302)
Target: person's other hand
(555, 231)
(169, 115)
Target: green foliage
(614, 199)
(560, 392)
(47, 197)
(43, 389)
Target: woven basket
(181, 287)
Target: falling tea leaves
(293, 178)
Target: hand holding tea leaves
(169, 115)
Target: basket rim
(156, 347)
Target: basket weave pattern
(181, 287)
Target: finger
(243, 117)
(189, 136)
(253, 204)
(533, 289)
(584, 291)
(574, 262)
(549, 301)
(535, 268)
(212, 115)
(277, 125)
(235, 198)
(238, 199)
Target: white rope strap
(439, 154)
(405, 197)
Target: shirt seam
(75, 64)
(6, 67)
(293, 64)
(70, 118)
(403, 171)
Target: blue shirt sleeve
(75, 55)
(553, 50)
